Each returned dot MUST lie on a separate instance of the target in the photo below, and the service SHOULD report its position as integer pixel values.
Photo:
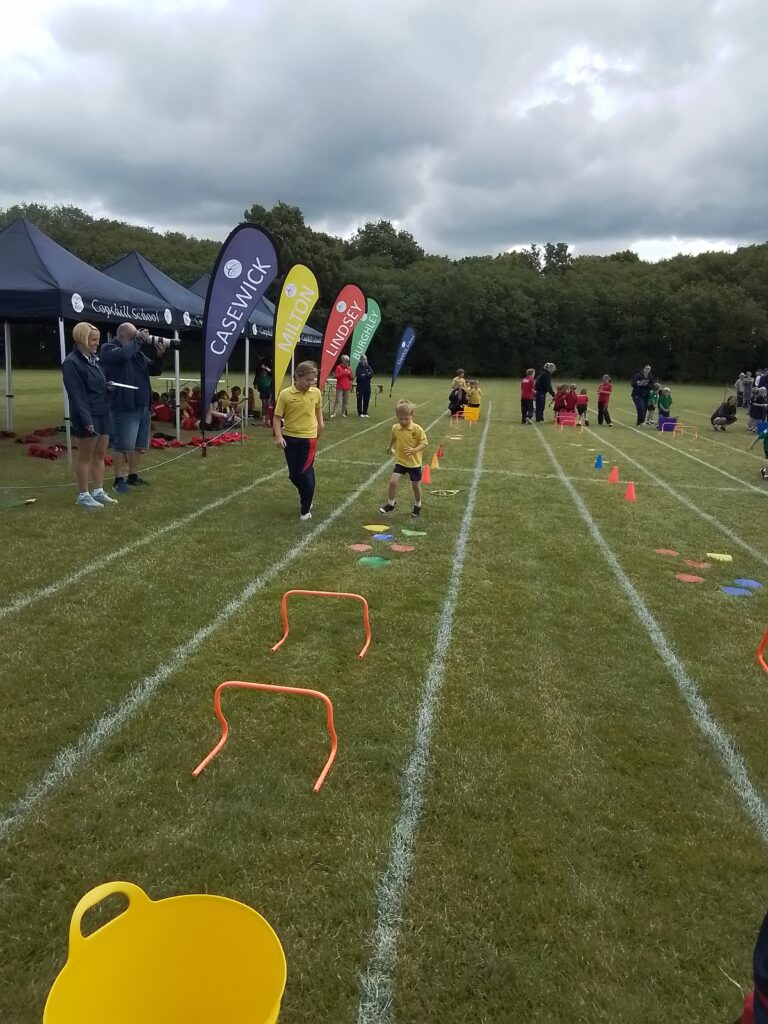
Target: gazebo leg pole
(63, 354)
(176, 400)
(8, 379)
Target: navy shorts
(131, 429)
(102, 425)
(414, 472)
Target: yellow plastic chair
(183, 960)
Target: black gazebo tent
(41, 280)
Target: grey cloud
(354, 111)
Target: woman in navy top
(363, 375)
(86, 387)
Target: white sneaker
(305, 517)
(86, 501)
(103, 498)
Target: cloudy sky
(478, 126)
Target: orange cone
(441, 451)
(613, 476)
(435, 463)
(426, 476)
(629, 494)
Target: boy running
(406, 442)
(298, 423)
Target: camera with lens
(152, 341)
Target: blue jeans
(131, 429)
(641, 404)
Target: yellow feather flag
(297, 300)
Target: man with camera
(128, 364)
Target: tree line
(699, 317)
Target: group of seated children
(464, 394)
(224, 412)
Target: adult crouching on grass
(724, 415)
(543, 388)
(297, 424)
(127, 365)
(86, 387)
(642, 384)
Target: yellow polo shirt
(474, 395)
(407, 437)
(298, 411)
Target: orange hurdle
(683, 429)
(761, 649)
(270, 689)
(324, 593)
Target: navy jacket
(544, 384)
(363, 376)
(127, 364)
(86, 387)
(641, 385)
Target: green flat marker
(373, 561)
(413, 533)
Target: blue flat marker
(749, 584)
(383, 536)
(737, 591)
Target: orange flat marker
(324, 593)
(269, 688)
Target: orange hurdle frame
(324, 593)
(269, 688)
(761, 649)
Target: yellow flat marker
(719, 558)
(376, 529)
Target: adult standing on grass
(343, 375)
(126, 364)
(363, 375)
(544, 388)
(298, 423)
(642, 384)
(86, 387)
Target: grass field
(549, 798)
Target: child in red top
(582, 404)
(527, 395)
(604, 390)
(558, 402)
(162, 410)
(571, 398)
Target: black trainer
(386, 509)
(136, 481)
(416, 511)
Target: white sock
(98, 490)
(83, 494)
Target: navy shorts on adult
(414, 472)
(102, 425)
(131, 429)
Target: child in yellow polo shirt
(298, 423)
(406, 442)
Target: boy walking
(406, 442)
(298, 424)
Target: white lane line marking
(33, 596)
(745, 484)
(76, 755)
(377, 984)
(710, 728)
(707, 516)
